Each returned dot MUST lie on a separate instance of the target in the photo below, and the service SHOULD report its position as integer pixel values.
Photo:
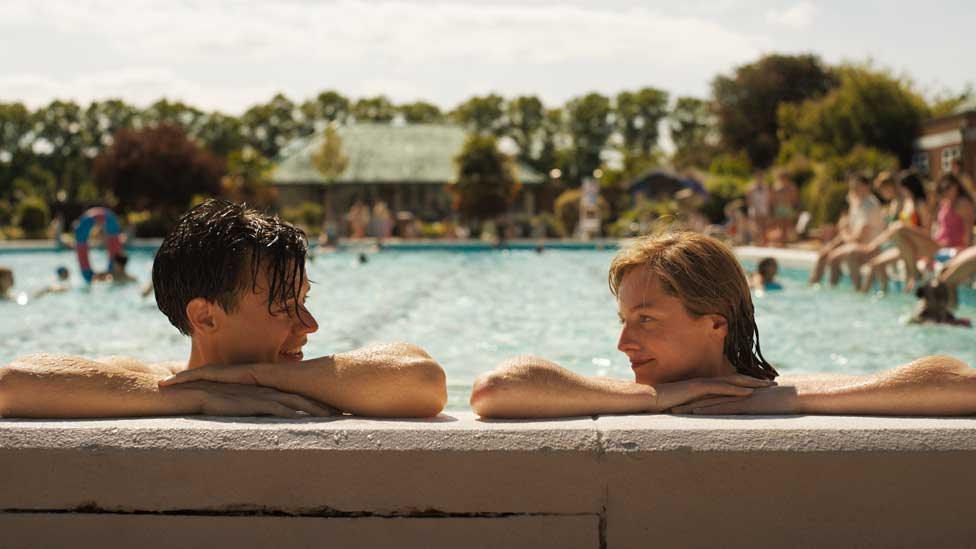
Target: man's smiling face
(253, 333)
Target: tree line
(768, 112)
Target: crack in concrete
(322, 512)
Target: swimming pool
(472, 309)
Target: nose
(626, 341)
(305, 323)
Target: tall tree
(486, 183)
(870, 108)
(526, 116)
(374, 109)
(62, 146)
(329, 159)
(15, 152)
(691, 126)
(221, 133)
(157, 168)
(327, 106)
(270, 126)
(746, 102)
(590, 126)
(637, 116)
(165, 111)
(421, 112)
(482, 114)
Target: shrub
(308, 214)
(33, 216)
(722, 190)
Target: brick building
(946, 138)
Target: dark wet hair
(63, 272)
(767, 263)
(911, 181)
(121, 259)
(217, 252)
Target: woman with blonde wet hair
(689, 332)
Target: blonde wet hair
(706, 276)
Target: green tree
(328, 106)
(104, 118)
(482, 114)
(421, 112)
(164, 111)
(248, 179)
(486, 183)
(747, 101)
(590, 126)
(637, 116)
(157, 168)
(221, 133)
(329, 159)
(15, 140)
(63, 147)
(526, 117)
(374, 109)
(870, 108)
(691, 126)
(270, 126)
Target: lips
(637, 364)
(291, 356)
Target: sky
(230, 54)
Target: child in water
(765, 276)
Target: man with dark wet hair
(233, 280)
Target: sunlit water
(470, 310)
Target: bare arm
(531, 387)
(53, 386)
(929, 386)
(387, 380)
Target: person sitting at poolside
(765, 276)
(6, 283)
(689, 330)
(62, 285)
(951, 232)
(234, 280)
(864, 224)
(116, 274)
(910, 209)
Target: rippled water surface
(473, 309)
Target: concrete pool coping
(610, 481)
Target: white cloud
(136, 85)
(797, 16)
(433, 49)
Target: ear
(202, 315)
(719, 326)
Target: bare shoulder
(136, 365)
(819, 382)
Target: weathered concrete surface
(670, 481)
(30, 531)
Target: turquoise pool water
(473, 309)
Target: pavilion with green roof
(410, 167)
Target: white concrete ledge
(624, 481)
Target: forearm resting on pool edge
(49, 386)
(933, 385)
(383, 380)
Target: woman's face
(663, 341)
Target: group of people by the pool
(895, 220)
(234, 281)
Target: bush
(629, 223)
(722, 190)
(33, 216)
(147, 224)
(309, 215)
(824, 197)
(731, 164)
(567, 211)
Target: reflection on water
(472, 310)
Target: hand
(244, 374)
(733, 387)
(233, 399)
(772, 400)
